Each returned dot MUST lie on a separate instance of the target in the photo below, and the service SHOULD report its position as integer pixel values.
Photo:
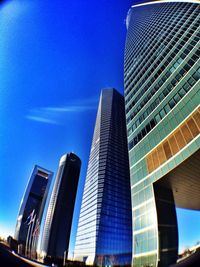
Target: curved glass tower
(104, 230)
(57, 227)
(162, 97)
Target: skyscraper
(57, 227)
(162, 97)
(104, 228)
(33, 202)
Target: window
(181, 92)
(179, 138)
(191, 81)
(177, 98)
(167, 149)
(186, 86)
(167, 108)
(162, 113)
(192, 126)
(157, 118)
(186, 133)
(172, 103)
(196, 75)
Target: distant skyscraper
(162, 96)
(33, 202)
(104, 229)
(57, 227)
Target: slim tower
(104, 229)
(162, 97)
(32, 205)
(57, 227)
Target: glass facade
(33, 203)
(105, 227)
(162, 97)
(57, 227)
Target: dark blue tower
(104, 229)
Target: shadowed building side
(57, 227)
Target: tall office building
(104, 228)
(57, 227)
(162, 97)
(32, 204)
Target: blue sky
(55, 56)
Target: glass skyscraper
(57, 227)
(162, 97)
(104, 228)
(33, 202)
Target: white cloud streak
(40, 119)
(55, 115)
(69, 109)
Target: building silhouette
(104, 228)
(162, 97)
(57, 226)
(32, 207)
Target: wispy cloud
(56, 114)
(69, 109)
(40, 119)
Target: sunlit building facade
(58, 221)
(33, 202)
(162, 97)
(104, 228)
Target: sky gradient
(55, 57)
